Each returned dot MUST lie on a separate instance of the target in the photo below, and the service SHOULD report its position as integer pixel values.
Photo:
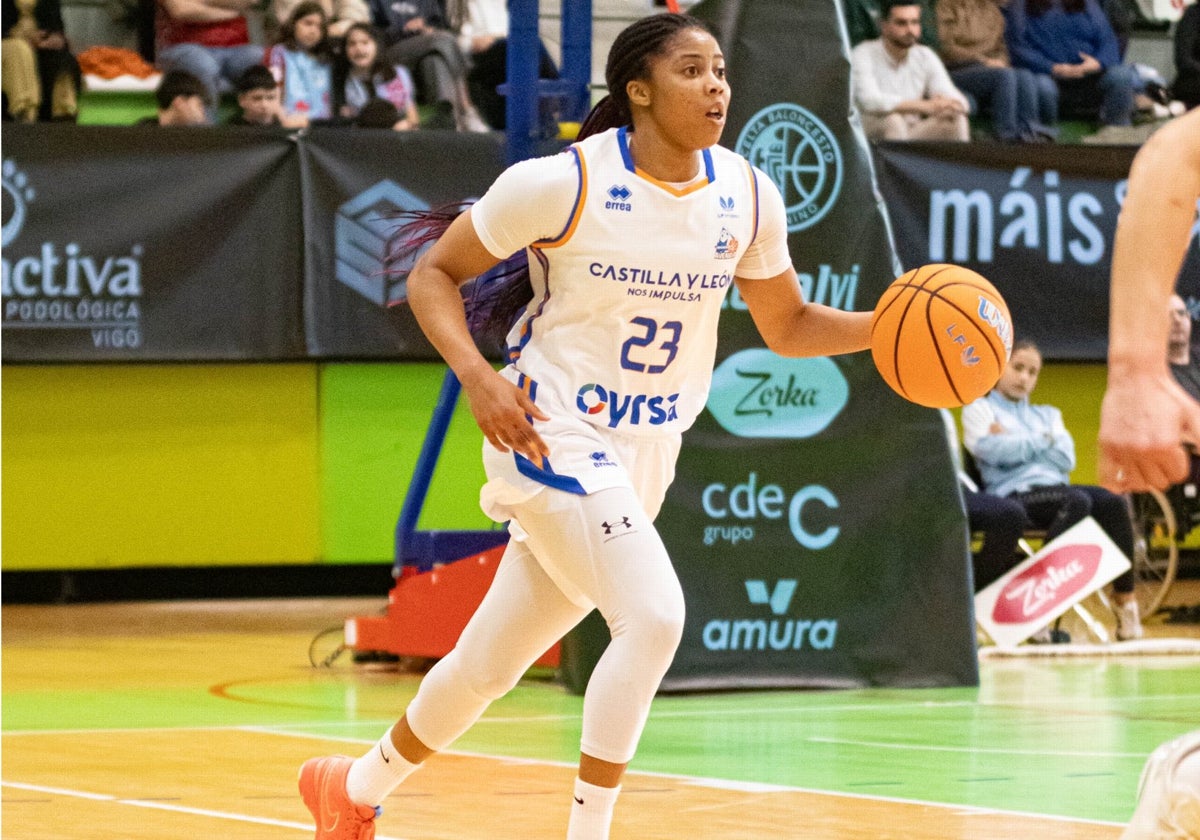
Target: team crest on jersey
(727, 245)
(618, 195)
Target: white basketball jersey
(622, 328)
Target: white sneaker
(1169, 793)
(1129, 621)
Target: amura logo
(361, 230)
(800, 154)
(756, 393)
(778, 633)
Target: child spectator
(182, 99)
(416, 33)
(302, 65)
(1024, 452)
(340, 14)
(360, 75)
(258, 99)
(1073, 41)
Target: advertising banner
(1031, 595)
(1038, 221)
(815, 520)
(149, 244)
(356, 183)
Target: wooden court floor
(162, 721)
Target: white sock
(592, 811)
(377, 773)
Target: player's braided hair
(494, 299)
(629, 59)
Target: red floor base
(427, 612)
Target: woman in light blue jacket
(1024, 452)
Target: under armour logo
(780, 598)
(623, 522)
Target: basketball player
(633, 237)
(1146, 416)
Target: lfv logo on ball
(1063, 573)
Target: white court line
(164, 806)
(885, 745)
(720, 784)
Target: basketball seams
(901, 335)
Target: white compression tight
(605, 546)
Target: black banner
(1036, 221)
(140, 243)
(355, 184)
(815, 520)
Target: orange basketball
(941, 335)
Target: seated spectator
(52, 91)
(208, 38)
(341, 14)
(417, 34)
(258, 99)
(1025, 453)
(483, 37)
(182, 99)
(361, 77)
(1001, 522)
(901, 87)
(1023, 105)
(1181, 354)
(1186, 87)
(862, 22)
(1072, 41)
(302, 64)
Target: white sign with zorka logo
(1031, 595)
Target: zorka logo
(1041, 588)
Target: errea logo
(778, 634)
(618, 195)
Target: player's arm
(791, 326)
(499, 407)
(1145, 415)
(767, 282)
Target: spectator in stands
(1000, 521)
(258, 99)
(901, 87)
(483, 37)
(361, 76)
(862, 22)
(208, 38)
(1024, 452)
(182, 99)
(302, 63)
(341, 14)
(1182, 356)
(1073, 41)
(417, 34)
(1023, 104)
(1186, 87)
(52, 93)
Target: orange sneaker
(323, 788)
